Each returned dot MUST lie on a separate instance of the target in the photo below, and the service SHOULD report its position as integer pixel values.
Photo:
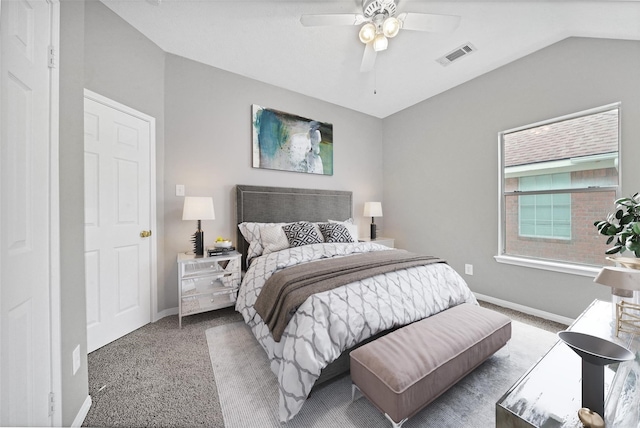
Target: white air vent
(456, 54)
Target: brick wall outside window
(586, 245)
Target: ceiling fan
(380, 23)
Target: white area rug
(249, 394)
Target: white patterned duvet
(330, 322)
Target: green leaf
(622, 201)
(634, 246)
(619, 214)
(613, 250)
(610, 240)
(610, 230)
(626, 219)
(636, 228)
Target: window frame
(536, 263)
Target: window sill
(572, 269)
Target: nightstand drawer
(210, 283)
(207, 267)
(208, 302)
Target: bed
(315, 344)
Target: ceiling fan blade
(368, 59)
(428, 22)
(332, 19)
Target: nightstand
(207, 283)
(389, 242)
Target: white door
(117, 210)
(26, 208)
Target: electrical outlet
(468, 269)
(179, 189)
(76, 359)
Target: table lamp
(198, 208)
(373, 209)
(623, 282)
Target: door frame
(55, 311)
(153, 248)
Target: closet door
(25, 212)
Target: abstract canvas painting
(288, 142)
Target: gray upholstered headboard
(286, 204)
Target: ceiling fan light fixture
(380, 43)
(367, 33)
(391, 26)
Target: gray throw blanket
(287, 289)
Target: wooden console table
(550, 393)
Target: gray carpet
(160, 375)
(248, 392)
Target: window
(545, 216)
(557, 178)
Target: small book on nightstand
(214, 251)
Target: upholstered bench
(402, 372)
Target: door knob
(145, 234)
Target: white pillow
(350, 225)
(251, 233)
(273, 239)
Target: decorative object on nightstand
(373, 209)
(595, 353)
(198, 208)
(623, 282)
(221, 246)
(207, 283)
(590, 419)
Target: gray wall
(208, 149)
(123, 65)
(441, 162)
(203, 126)
(72, 290)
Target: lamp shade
(380, 42)
(198, 208)
(367, 33)
(373, 209)
(391, 26)
(619, 277)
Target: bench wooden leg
(393, 423)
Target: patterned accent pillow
(273, 239)
(335, 232)
(351, 227)
(302, 233)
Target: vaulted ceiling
(264, 40)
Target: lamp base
(373, 231)
(627, 317)
(198, 243)
(593, 387)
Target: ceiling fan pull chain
(375, 82)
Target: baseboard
(82, 413)
(525, 309)
(167, 312)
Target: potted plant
(623, 226)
